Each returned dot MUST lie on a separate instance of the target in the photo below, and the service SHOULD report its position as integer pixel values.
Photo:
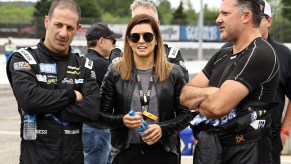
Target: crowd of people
(82, 104)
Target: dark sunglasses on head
(135, 37)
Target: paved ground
(10, 124)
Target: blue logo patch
(48, 68)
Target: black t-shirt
(256, 67)
(284, 86)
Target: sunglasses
(112, 39)
(135, 37)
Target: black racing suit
(43, 83)
(173, 55)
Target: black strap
(145, 97)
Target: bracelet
(287, 132)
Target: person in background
(96, 140)
(173, 54)
(9, 47)
(58, 87)
(144, 81)
(280, 131)
(234, 94)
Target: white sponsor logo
(21, 66)
(27, 56)
(89, 63)
(79, 81)
(48, 68)
(68, 81)
(72, 131)
(75, 68)
(173, 52)
(257, 124)
(93, 74)
(41, 78)
(41, 131)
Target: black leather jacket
(116, 94)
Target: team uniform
(242, 136)
(43, 83)
(284, 88)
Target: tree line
(118, 12)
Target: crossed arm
(212, 102)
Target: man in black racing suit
(56, 85)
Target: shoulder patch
(89, 63)
(33, 47)
(26, 55)
(173, 52)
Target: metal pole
(200, 24)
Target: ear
(270, 20)
(247, 17)
(129, 42)
(79, 26)
(46, 21)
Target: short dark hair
(92, 43)
(254, 7)
(65, 4)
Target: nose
(218, 19)
(63, 32)
(141, 39)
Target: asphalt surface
(10, 125)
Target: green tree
(41, 8)
(115, 11)
(16, 13)
(191, 16)
(179, 15)
(210, 16)
(165, 12)
(89, 9)
(286, 10)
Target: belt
(248, 137)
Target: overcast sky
(174, 3)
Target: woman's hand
(131, 121)
(152, 135)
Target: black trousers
(277, 147)
(210, 150)
(146, 154)
(250, 153)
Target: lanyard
(145, 97)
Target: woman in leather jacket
(144, 81)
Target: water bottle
(29, 127)
(144, 126)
